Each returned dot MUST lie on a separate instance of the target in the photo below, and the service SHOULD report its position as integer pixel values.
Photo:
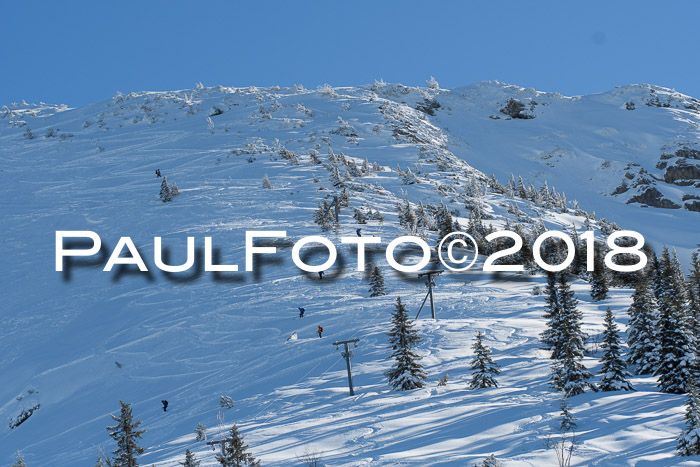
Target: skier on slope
(158, 173)
(165, 405)
(319, 330)
(320, 275)
(301, 312)
(359, 232)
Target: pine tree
(266, 183)
(689, 439)
(407, 373)
(444, 222)
(550, 337)
(335, 177)
(200, 432)
(174, 190)
(125, 433)
(613, 370)
(642, 328)
(483, 367)
(599, 280)
(324, 216)
(376, 281)
(234, 452)
(568, 373)
(190, 460)
(568, 420)
(676, 346)
(693, 286)
(165, 194)
(19, 460)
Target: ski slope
(193, 337)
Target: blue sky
(77, 52)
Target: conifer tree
(599, 280)
(407, 373)
(689, 439)
(234, 452)
(614, 373)
(550, 337)
(642, 328)
(693, 286)
(568, 373)
(19, 460)
(483, 367)
(165, 194)
(359, 216)
(324, 216)
(568, 420)
(200, 432)
(125, 433)
(335, 177)
(266, 183)
(174, 190)
(376, 281)
(675, 351)
(190, 460)
(444, 222)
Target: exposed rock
(682, 172)
(693, 206)
(516, 109)
(653, 197)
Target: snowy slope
(195, 337)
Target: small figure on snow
(165, 405)
(359, 232)
(158, 173)
(301, 312)
(320, 275)
(319, 331)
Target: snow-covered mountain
(74, 344)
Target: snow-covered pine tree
(483, 367)
(200, 432)
(642, 328)
(689, 439)
(550, 336)
(165, 193)
(407, 219)
(614, 372)
(125, 433)
(234, 452)
(313, 157)
(174, 190)
(568, 373)
(568, 420)
(376, 281)
(266, 183)
(19, 460)
(676, 344)
(444, 222)
(693, 286)
(359, 216)
(190, 460)
(365, 169)
(599, 280)
(490, 461)
(335, 177)
(407, 373)
(324, 216)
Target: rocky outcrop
(682, 174)
(653, 197)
